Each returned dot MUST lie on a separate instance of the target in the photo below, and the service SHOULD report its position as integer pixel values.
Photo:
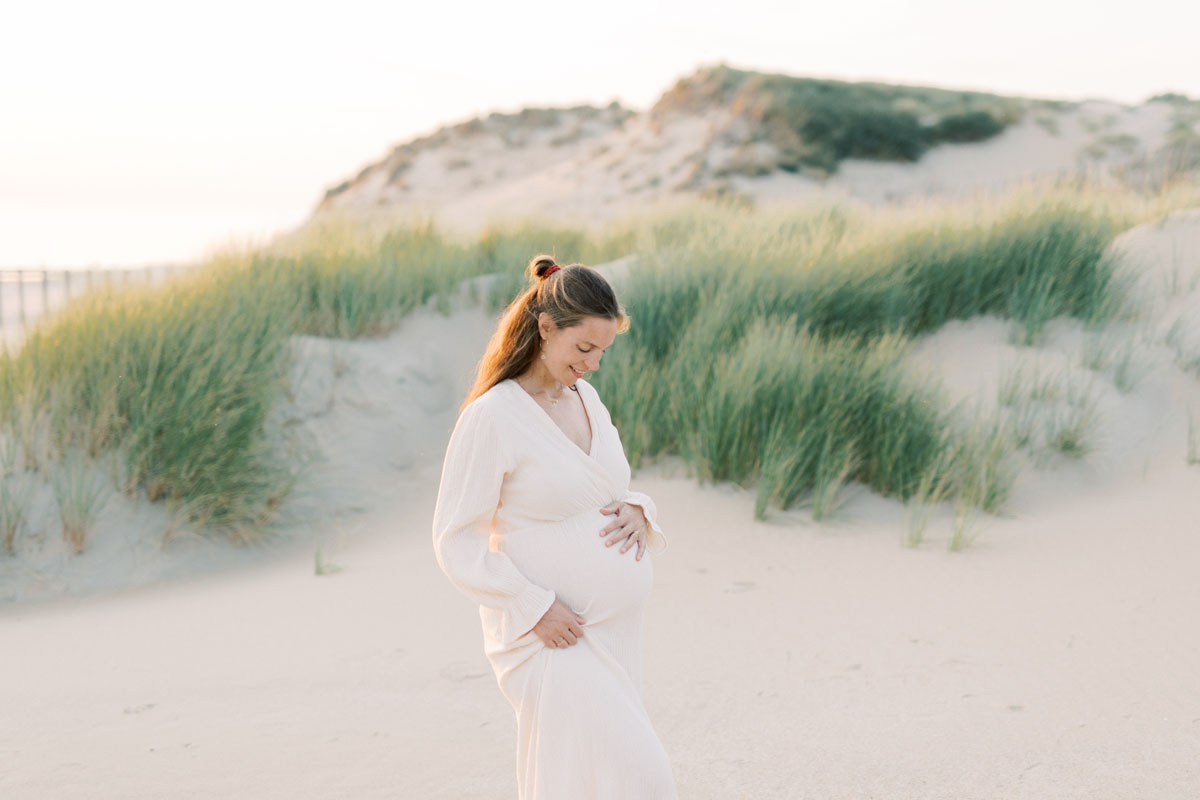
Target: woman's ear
(545, 324)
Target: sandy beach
(1055, 658)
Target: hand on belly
(570, 559)
(627, 526)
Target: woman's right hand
(559, 626)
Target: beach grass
(782, 341)
(767, 348)
(80, 493)
(932, 489)
(1182, 338)
(1049, 413)
(814, 124)
(176, 381)
(983, 463)
(13, 511)
(1116, 356)
(1071, 430)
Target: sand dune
(1054, 657)
(587, 166)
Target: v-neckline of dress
(550, 420)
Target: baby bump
(572, 559)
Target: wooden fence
(27, 295)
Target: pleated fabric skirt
(582, 729)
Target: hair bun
(541, 266)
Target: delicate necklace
(553, 400)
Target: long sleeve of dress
(472, 474)
(656, 540)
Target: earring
(543, 356)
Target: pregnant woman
(536, 523)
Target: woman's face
(570, 352)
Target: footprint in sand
(461, 671)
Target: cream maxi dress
(517, 523)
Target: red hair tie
(553, 267)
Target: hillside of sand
(763, 139)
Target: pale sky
(134, 132)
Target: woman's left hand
(630, 525)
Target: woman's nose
(593, 362)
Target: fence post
(21, 295)
(45, 292)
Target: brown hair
(568, 295)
